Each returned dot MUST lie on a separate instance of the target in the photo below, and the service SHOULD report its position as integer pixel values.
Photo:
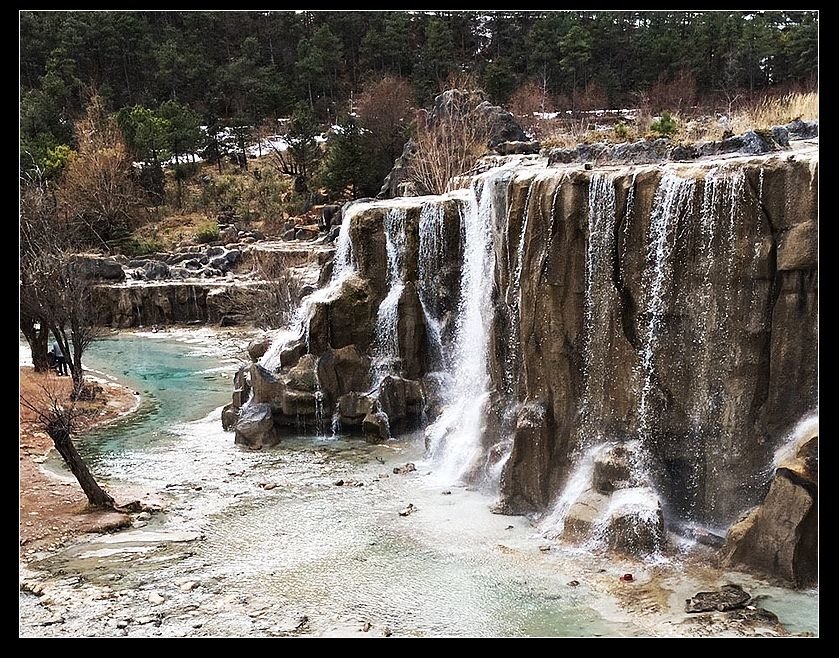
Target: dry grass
(693, 125)
(775, 111)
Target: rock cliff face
(544, 310)
(673, 304)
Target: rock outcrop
(780, 537)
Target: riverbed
(306, 538)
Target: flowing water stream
(251, 542)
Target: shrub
(141, 246)
(665, 125)
(207, 232)
(621, 130)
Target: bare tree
(448, 145)
(56, 290)
(36, 200)
(271, 304)
(386, 108)
(59, 421)
(98, 190)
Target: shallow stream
(265, 543)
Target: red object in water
(627, 578)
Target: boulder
(96, 268)
(401, 399)
(292, 352)
(727, 597)
(376, 427)
(220, 263)
(616, 467)
(266, 387)
(255, 426)
(303, 376)
(517, 148)
(295, 404)
(353, 407)
(155, 270)
(779, 538)
(229, 234)
(306, 233)
(799, 129)
(343, 370)
(635, 522)
(434, 391)
(502, 125)
(257, 348)
(229, 416)
(343, 319)
(583, 514)
(330, 215)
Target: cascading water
(514, 302)
(673, 199)
(385, 331)
(552, 524)
(430, 259)
(455, 437)
(342, 268)
(598, 304)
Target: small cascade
(454, 439)
(342, 268)
(552, 524)
(609, 502)
(513, 300)
(430, 259)
(599, 291)
(627, 225)
(385, 332)
(673, 199)
(805, 429)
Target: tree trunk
(38, 340)
(60, 435)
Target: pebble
(410, 509)
(188, 586)
(367, 626)
(143, 516)
(545, 548)
(122, 623)
(338, 483)
(155, 598)
(447, 493)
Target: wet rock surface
(728, 597)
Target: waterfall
(454, 439)
(552, 524)
(673, 199)
(599, 291)
(431, 257)
(511, 368)
(342, 268)
(385, 331)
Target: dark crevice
(627, 303)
